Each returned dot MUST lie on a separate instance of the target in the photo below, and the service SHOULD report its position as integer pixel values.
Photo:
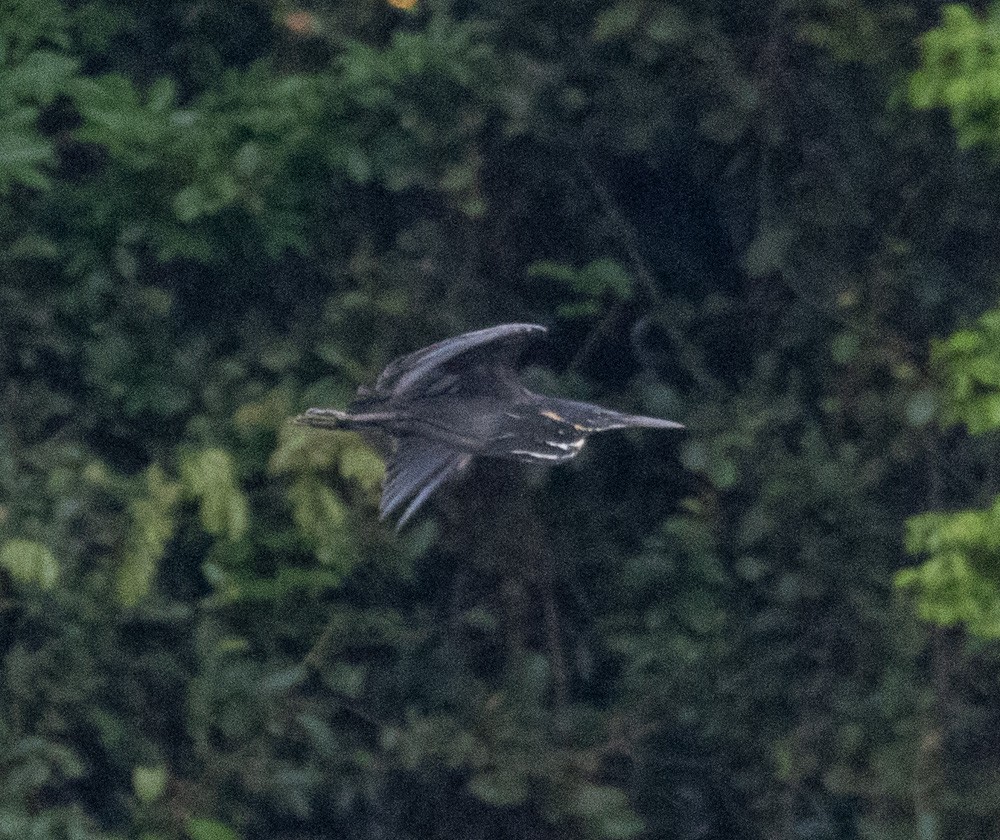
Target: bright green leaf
(30, 562)
(203, 829)
(149, 783)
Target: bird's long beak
(323, 418)
(640, 422)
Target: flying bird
(458, 399)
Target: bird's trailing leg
(333, 418)
(323, 418)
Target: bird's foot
(323, 418)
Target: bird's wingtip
(524, 327)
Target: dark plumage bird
(460, 398)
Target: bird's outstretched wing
(494, 346)
(414, 471)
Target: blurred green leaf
(209, 475)
(499, 787)
(41, 76)
(616, 21)
(30, 562)
(767, 252)
(24, 155)
(204, 829)
(607, 810)
(957, 583)
(958, 71)
(152, 526)
(360, 463)
(149, 783)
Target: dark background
(775, 222)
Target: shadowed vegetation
(776, 223)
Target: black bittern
(448, 403)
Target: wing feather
(416, 469)
(407, 372)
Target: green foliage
(411, 112)
(200, 829)
(960, 71)
(959, 582)
(31, 76)
(153, 526)
(227, 152)
(214, 214)
(30, 562)
(149, 783)
(508, 744)
(208, 475)
(596, 285)
(968, 365)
